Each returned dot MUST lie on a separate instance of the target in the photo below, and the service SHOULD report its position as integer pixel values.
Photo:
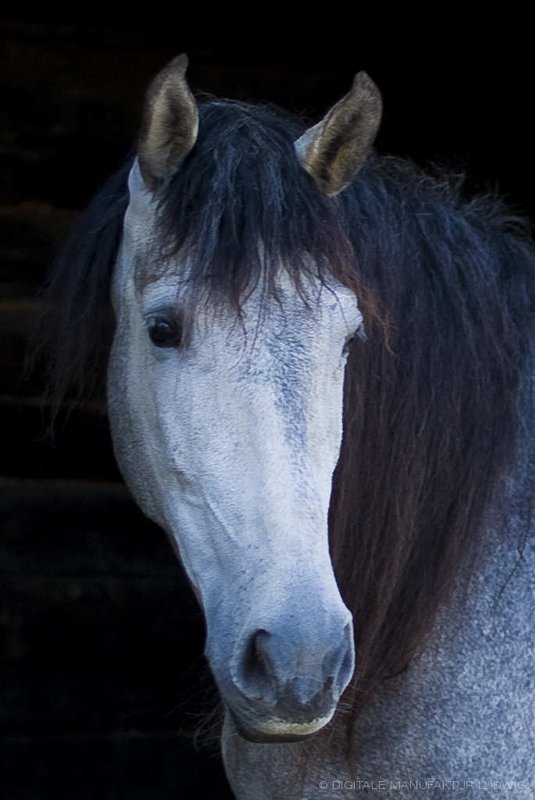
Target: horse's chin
(277, 731)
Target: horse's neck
(465, 707)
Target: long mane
(435, 395)
(433, 420)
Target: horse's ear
(334, 150)
(170, 124)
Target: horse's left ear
(170, 124)
(334, 150)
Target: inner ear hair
(169, 125)
(334, 150)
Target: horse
(319, 374)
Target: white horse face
(229, 443)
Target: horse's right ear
(170, 124)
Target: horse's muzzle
(284, 691)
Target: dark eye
(165, 332)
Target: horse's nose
(303, 677)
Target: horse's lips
(273, 731)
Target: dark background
(102, 680)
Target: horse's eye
(165, 333)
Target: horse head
(227, 416)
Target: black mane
(434, 396)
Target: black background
(102, 676)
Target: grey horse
(319, 385)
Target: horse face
(229, 442)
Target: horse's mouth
(276, 730)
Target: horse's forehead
(167, 279)
(169, 284)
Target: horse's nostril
(256, 675)
(260, 653)
(273, 667)
(339, 662)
